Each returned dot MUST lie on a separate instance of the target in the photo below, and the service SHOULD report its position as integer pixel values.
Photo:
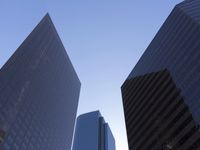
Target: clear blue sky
(103, 38)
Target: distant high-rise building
(39, 92)
(92, 133)
(161, 94)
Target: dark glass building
(161, 95)
(92, 133)
(39, 92)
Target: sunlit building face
(39, 92)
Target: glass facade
(92, 133)
(109, 139)
(157, 117)
(161, 94)
(176, 48)
(39, 92)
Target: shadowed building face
(92, 133)
(167, 74)
(156, 115)
(39, 92)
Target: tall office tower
(161, 94)
(39, 92)
(92, 133)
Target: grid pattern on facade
(39, 93)
(156, 115)
(177, 47)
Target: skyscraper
(161, 94)
(92, 133)
(39, 92)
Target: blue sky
(103, 38)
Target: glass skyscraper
(92, 133)
(39, 92)
(161, 94)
